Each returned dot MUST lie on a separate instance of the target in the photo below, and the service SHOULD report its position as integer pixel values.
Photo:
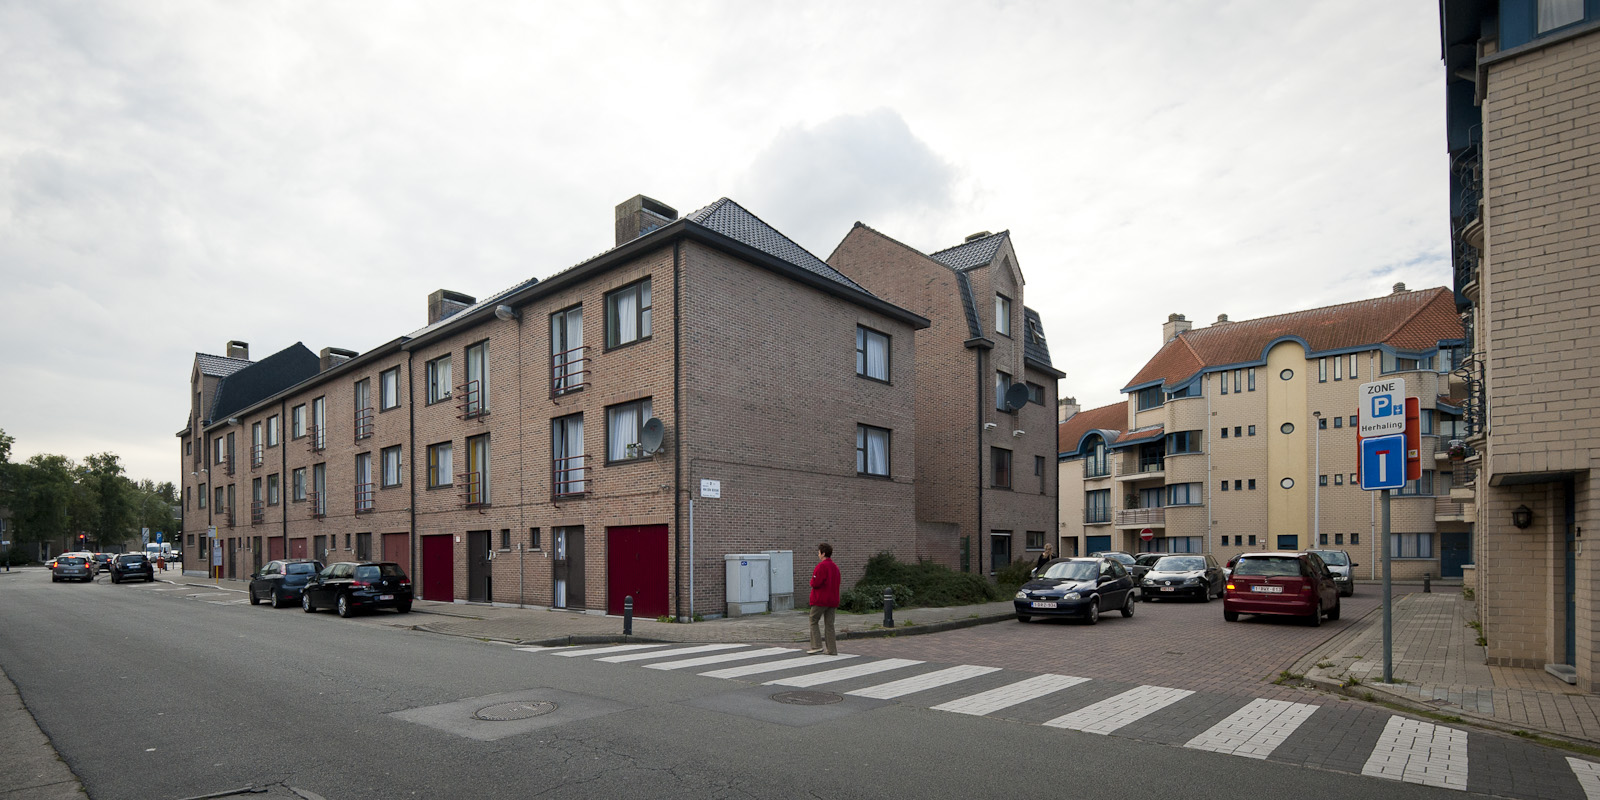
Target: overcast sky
(175, 175)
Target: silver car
(72, 568)
(1343, 570)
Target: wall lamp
(1522, 516)
(505, 312)
(1016, 433)
(989, 426)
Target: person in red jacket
(824, 599)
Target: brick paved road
(1182, 644)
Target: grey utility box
(782, 582)
(749, 582)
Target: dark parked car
(1076, 587)
(1293, 584)
(1343, 569)
(351, 586)
(281, 582)
(1196, 575)
(1136, 570)
(72, 568)
(102, 562)
(132, 565)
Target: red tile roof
(1111, 418)
(1416, 320)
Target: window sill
(395, 407)
(622, 461)
(613, 347)
(873, 475)
(441, 486)
(389, 486)
(437, 401)
(866, 377)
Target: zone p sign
(1383, 407)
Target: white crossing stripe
(932, 680)
(589, 651)
(720, 658)
(1588, 774)
(705, 648)
(842, 673)
(773, 666)
(1115, 712)
(1255, 730)
(1420, 752)
(1007, 696)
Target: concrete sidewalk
(1438, 666)
(548, 626)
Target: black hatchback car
(1076, 587)
(350, 586)
(280, 582)
(1196, 575)
(132, 565)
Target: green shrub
(864, 598)
(924, 583)
(1013, 575)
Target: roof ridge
(860, 224)
(1421, 307)
(1378, 299)
(1005, 232)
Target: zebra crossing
(1393, 747)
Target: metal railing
(1142, 516)
(256, 457)
(227, 464)
(227, 517)
(1475, 408)
(363, 498)
(258, 512)
(317, 504)
(567, 476)
(569, 370)
(1096, 467)
(1445, 507)
(1466, 187)
(1096, 516)
(364, 423)
(469, 397)
(316, 438)
(1144, 466)
(473, 492)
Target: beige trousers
(826, 616)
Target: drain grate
(804, 698)
(506, 712)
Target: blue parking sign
(1383, 462)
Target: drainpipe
(411, 466)
(1210, 498)
(283, 472)
(677, 437)
(977, 535)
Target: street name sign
(1383, 408)
(1383, 462)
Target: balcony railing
(1151, 467)
(1096, 516)
(1475, 409)
(364, 423)
(227, 464)
(227, 517)
(473, 491)
(317, 504)
(363, 498)
(316, 438)
(1444, 507)
(568, 476)
(569, 370)
(1096, 468)
(256, 457)
(1466, 187)
(469, 400)
(1142, 516)
(258, 512)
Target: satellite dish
(651, 435)
(1016, 396)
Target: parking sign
(1383, 407)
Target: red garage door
(636, 564)
(274, 548)
(297, 547)
(438, 568)
(397, 548)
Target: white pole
(691, 560)
(1316, 488)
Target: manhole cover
(808, 698)
(506, 712)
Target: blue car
(1076, 587)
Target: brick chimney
(334, 356)
(1222, 319)
(1176, 324)
(239, 350)
(639, 215)
(1399, 288)
(444, 303)
(1067, 408)
(973, 237)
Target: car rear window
(1268, 567)
(1179, 564)
(301, 569)
(70, 562)
(131, 559)
(371, 571)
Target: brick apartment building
(1523, 126)
(501, 453)
(1241, 436)
(985, 476)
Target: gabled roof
(263, 379)
(219, 366)
(1406, 321)
(969, 255)
(732, 220)
(1112, 419)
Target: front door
(636, 565)
(1455, 549)
(1099, 544)
(297, 548)
(233, 558)
(397, 548)
(999, 551)
(478, 590)
(319, 545)
(255, 551)
(568, 568)
(438, 568)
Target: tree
(5, 446)
(41, 493)
(107, 499)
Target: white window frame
(1002, 315)
(624, 433)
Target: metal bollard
(627, 615)
(888, 607)
(1427, 583)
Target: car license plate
(1267, 589)
(1041, 604)
(385, 597)
(1167, 589)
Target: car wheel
(403, 607)
(55, 579)
(343, 606)
(1205, 593)
(115, 579)
(1230, 616)
(1094, 612)
(1127, 606)
(305, 603)
(1316, 616)
(277, 599)
(1023, 617)
(1334, 614)
(255, 601)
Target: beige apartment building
(1523, 134)
(1241, 436)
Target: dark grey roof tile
(733, 221)
(975, 253)
(219, 366)
(263, 379)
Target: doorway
(1455, 550)
(233, 558)
(479, 588)
(438, 568)
(255, 550)
(274, 548)
(636, 565)
(568, 568)
(319, 545)
(999, 551)
(297, 547)
(397, 548)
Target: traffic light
(83, 541)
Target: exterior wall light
(1522, 516)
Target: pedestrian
(1046, 557)
(161, 562)
(824, 600)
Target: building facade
(505, 452)
(1522, 122)
(1241, 436)
(986, 393)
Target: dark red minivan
(1288, 584)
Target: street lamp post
(1316, 486)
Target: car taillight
(405, 581)
(361, 584)
(1230, 587)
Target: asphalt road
(149, 692)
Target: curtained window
(872, 451)
(566, 435)
(628, 314)
(624, 424)
(872, 354)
